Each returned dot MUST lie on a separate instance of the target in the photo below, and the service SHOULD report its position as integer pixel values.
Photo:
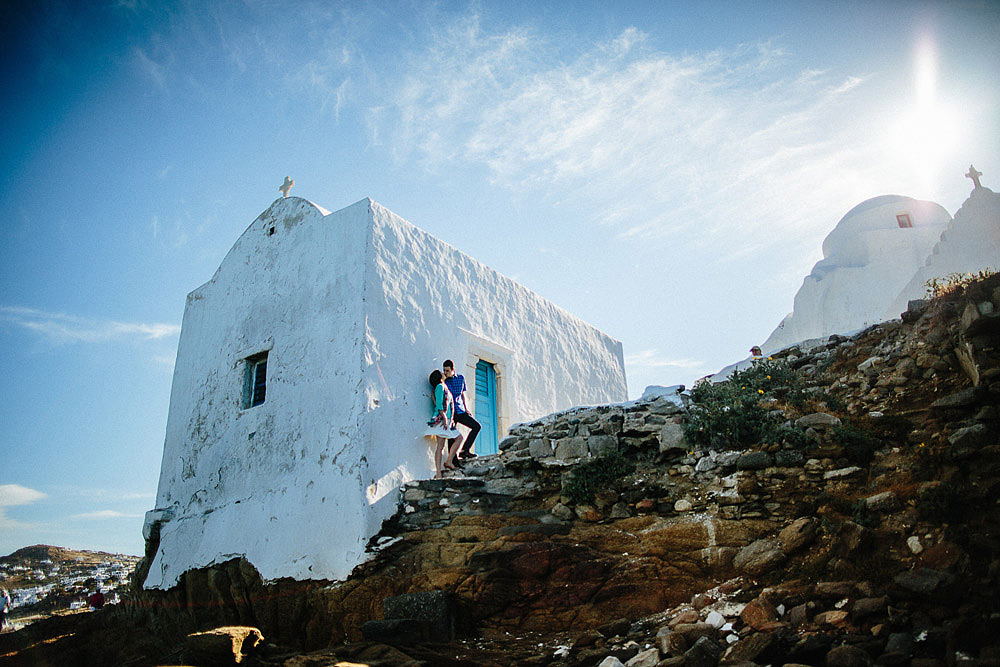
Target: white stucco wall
(971, 243)
(867, 259)
(356, 307)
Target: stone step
(428, 616)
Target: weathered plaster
(355, 308)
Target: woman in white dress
(441, 427)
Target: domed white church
(880, 256)
(867, 259)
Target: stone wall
(789, 549)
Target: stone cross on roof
(974, 175)
(286, 186)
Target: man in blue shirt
(456, 385)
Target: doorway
(486, 408)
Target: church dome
(887, 213)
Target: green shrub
(729, 414)
(795, 437)
(954, 284)
(597, 474)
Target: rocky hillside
(829, 506)
(34, 555)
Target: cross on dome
(286, 186)
(974, 175)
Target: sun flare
(924, 135)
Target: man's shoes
(469, 455)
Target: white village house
(300, 390)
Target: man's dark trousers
(465, 419)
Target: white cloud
(12, 495)
(15, 494)
(63, 328)
(105, 514)
(732, 144)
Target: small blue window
(255, 380)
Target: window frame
(254, 380)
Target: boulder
(571, 448)
(789, 458)
(704, 464)
(648, 658)
(227, 645)
(817, 420)
(865, 607)
(960, 399)
(683, 505)
(704, 653)
(602, 444)
(610, 661)
(798, 534)
(759, 557)
(715, 619)
(619, 626)
(672, 438)
(759, 613)
(539, 448)
(887, 501)
(848, 656)
(692, 632)
(972, 437)
(833, 589)
(753, 649)
(835, 617)
(841, 473)
(662, 640)
(923, 581)
(754, 461)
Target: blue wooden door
(486, 408)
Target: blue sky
(665, 170)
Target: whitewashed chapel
(300, 390)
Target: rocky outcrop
(856, 523)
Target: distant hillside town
(43, 580)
